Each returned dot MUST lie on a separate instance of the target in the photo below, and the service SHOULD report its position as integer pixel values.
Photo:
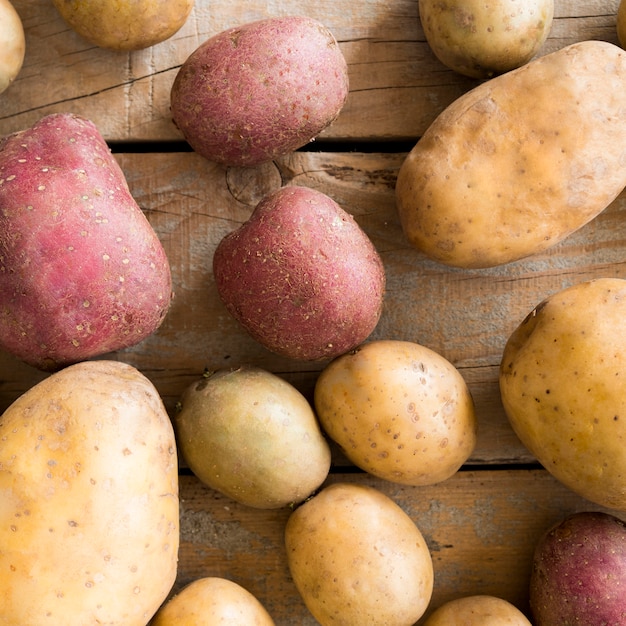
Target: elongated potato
(520, 162)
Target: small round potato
(398, 410)
(213, 601)
(12, 44)
(357, 558)
(481, 610)
(482, 39)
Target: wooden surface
(482, 524)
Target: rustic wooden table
(482, 524)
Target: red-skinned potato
(301, 276)
(82, 271)
(579, 572)
(261, 90)
(12, 44)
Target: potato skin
(261, 90)
(563, 389)
(579, 572)
(480, 39)
(398, 410)
(480, 610)
(357, 558)
(89, 523)
(288, 276)
(520, 162)
(128, 25)
(12, 44)
(212, 601)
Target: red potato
(261, 90)
(579, 572)
(82, 272)
(301, 276)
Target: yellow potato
(128, 25)
(12, 44)
(477, 611)
(481, 39)
(357, 558)
(212, 601)
(398, 410)
(89, 527)
(520, 162)
(563, 388)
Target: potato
(288, 276)
(12, 44)
(212, 601)
(89, 527)
(252, 436)
(563, 388)
(480, 610)
(398, 410)
(258, 91)
(357, 558)
(520, 162)
(129, 25)
(82, 272)
(579, 572)
(482, 39)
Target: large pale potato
(89, 527)
(563, 388)
(520, 162)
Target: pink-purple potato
(12, 44)
(301, 276)
(82, 271)
(261, 90)
(477, 610)
(252, 436)
(129, 25)
(89, 514)
(213, 601)
(398, 410)
(563, 387)
(520, 162)
(578, 576)
(357, 558)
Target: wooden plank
(397, 85)
(481, 529)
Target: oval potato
(12, 44)
(520, 162)
(479, 610)
(564, 391)
(89, 527)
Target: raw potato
(12, 44)
(517, 164)
(89, 528)
(128, 25)
(481, 39)
(261, 90)
(579, 572)
(288, 276)
(82, 271)
(398, 410)
(357, 558)
(479, 610)
(564, 391)
(252, 436)
(213, 601)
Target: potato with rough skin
(89, 521)
(212, 601)
(357, 558)
(128, 25)
(12, 44)
(301, 276)
(482, 39)
(256, 92)
(480, 610)
(82, 271)
(578, 575)
(398, 410)
(520, 162)
(563, 388)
